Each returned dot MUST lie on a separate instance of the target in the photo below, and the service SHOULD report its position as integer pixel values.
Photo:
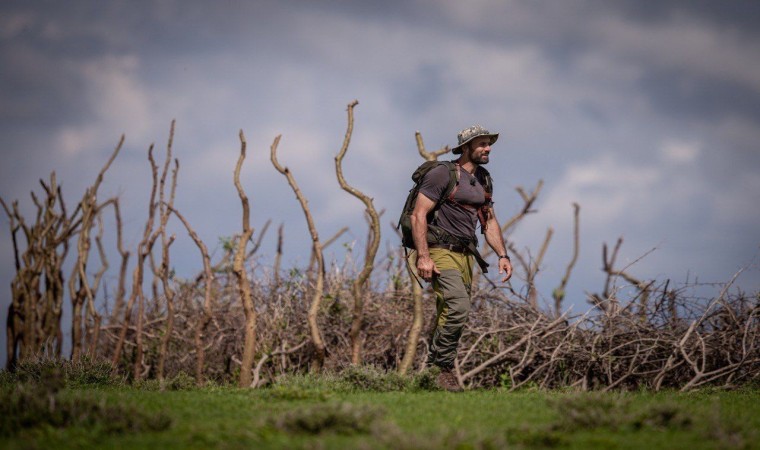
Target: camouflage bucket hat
(471, 133)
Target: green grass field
(303, 416)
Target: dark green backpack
(436, 234)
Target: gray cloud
(701, 98)
(742, 16)
(647, 117)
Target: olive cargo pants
(452, 292)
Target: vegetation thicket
(234, 323)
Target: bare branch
(238, 268)
(429, 156)
(316, 334)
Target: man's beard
(480, 159)
(483, 159)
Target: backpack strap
(451, 188)
(484, 212)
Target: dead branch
(281, 351)
(373, 242)
(84, 292)
(278, 255)
(327, 243)
(244, 287)
(163, 274)
(144, 248)
(202, 324)
(316, 334)
(559, 292)
(429, 156)
(257, 244)
(121, 288)
(535, 267)
(528, 200)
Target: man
(449, 266)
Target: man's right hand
(426, 268)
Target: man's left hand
(505, 267)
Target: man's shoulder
(440, 173)
(443, 166)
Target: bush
(181, 382)
(426, 380)
(6, 378)
(31, 405)
(351, 379)
(614, 411)
(288, 393)
(340, 418)
(663, 416)
(148, 385)
(325, 382)
(90, 372)
(591, 410)
(86, 371)
(370, 378)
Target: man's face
(480, 147)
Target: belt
(452, 247)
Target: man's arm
(425, 266)
(496, 241)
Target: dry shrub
(675, 341)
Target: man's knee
(455, 295)
(459, 309)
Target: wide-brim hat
(468, 134)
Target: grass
(356, 410)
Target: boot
(448, 381)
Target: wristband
(505, 257)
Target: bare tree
(358, 287)
(316, 335)
(84, 292)
(33, 323)
(162, 274)
(244, 287)
(144, 248)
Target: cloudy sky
(645, 113)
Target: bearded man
(448, 262)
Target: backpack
(436, 234)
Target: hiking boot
(448, 381)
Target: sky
(647, 114)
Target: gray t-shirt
(458, 221)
